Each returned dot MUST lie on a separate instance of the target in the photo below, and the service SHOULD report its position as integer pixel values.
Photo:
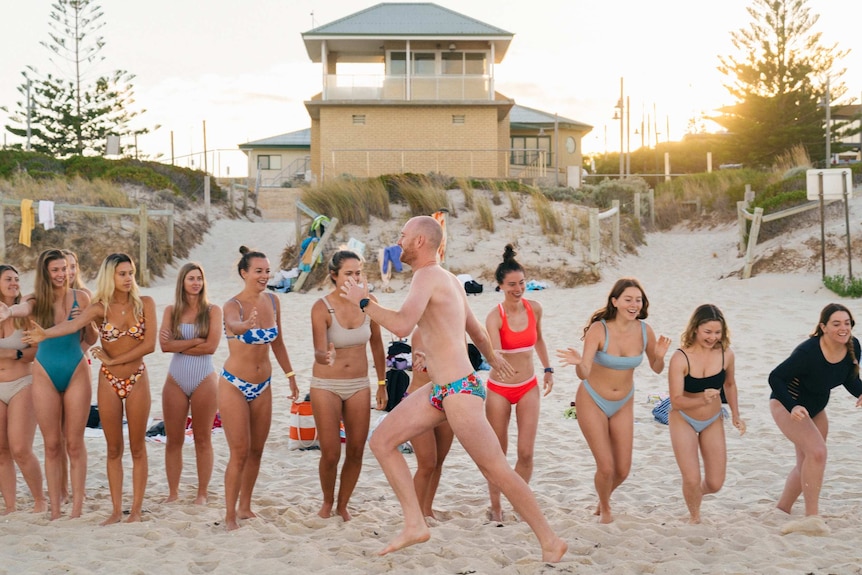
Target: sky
(241, 68)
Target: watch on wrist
(549, 370)
(363, 303)
(18, 354)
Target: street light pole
(828, 127)
(620, 108)
(628, 137)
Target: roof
(525, 118)
(407, 19)
(359, 35)
(297, 139)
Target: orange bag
(303, 432)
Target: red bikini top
(517, 341)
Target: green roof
(527, 118)
(299, 139)
(407, 19)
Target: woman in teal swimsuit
(127, 330)
(61, 379)
(245, 394)
(615, 342)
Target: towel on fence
(27, 223)
(392, 254)
(441, 217)
(356, 246)
(46, 214)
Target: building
(409, 87)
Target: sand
(741, 531)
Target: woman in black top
(800, 391)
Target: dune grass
(549, 220)
(352, 201)
(484, 214)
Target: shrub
(484, 214)
(843, 286)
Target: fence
(143, 218)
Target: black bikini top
(700, 384)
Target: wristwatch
(18, 354)
(363, 303)
(549, 370)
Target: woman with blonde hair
(190, 331)
(61, 380)
(245, 393)
(17, 420)
(123, 316)
(699, 371)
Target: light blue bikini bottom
(606, 405)
(699, 424)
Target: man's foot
(555, 551)
(407, 538)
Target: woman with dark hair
(61, 378)
(801, 386)
(122, 315)
(515, 328)
(245, 394)
(699, 370)
(17, 420)
(190, 332)
(340, 391)
(616, 339)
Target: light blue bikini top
(256, 336)
(619, 362)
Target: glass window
(397, 64)
(453, 63)
(423, 63)
(269, 162)
(474, 63)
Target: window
(528, 150)
(453, 63)
(424, 63)
(269, 162)
(397, 64)
(474, 63)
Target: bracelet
(381, 383)
(549, 370)
(290, 374)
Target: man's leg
(413, 415)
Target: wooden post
(595, 239)
(230, 199)
(244, 201)
(615, 227)
(207, 197)
(752, 241)
(667, 166)
(637, 206)
(2, 231)
(143, 273)
(171, 233)
(651, 198)
(740, 220)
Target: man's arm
(402, 321)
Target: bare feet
(809, 525)
(495, 514)
(554, 552)
(246, 514)
(604, 514)
(407, 538)
(134, 517)
(171, 498)
(345, 514)
(201, 499)
(55, 513)
(694, 520)
(114, 518)
(325, 511)
(231, 525)
(40, 506)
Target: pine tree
(70, 114)
(779, 82)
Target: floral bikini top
(109, 332)
(256, 336)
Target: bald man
(437, 304)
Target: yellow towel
(28, 222)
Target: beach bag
(397, 382)
(661, 411)
(473, 287)
(303, 432)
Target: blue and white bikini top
(256, 336)
(619, 362)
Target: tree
(779, 82)
(69, 114)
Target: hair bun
(509, 253)
(243, 250)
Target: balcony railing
(375, 87)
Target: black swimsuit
(701, 384)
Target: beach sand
(768, 316)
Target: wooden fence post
(637, 207)
(740, 219)
(651, 197)
(207, 197)
(752, 241)
(595, 239)
(171, 233)
(230, 199)
(615, 227)
(143, 273)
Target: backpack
(472, 286)
(397, 382)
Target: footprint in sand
(811, 525)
